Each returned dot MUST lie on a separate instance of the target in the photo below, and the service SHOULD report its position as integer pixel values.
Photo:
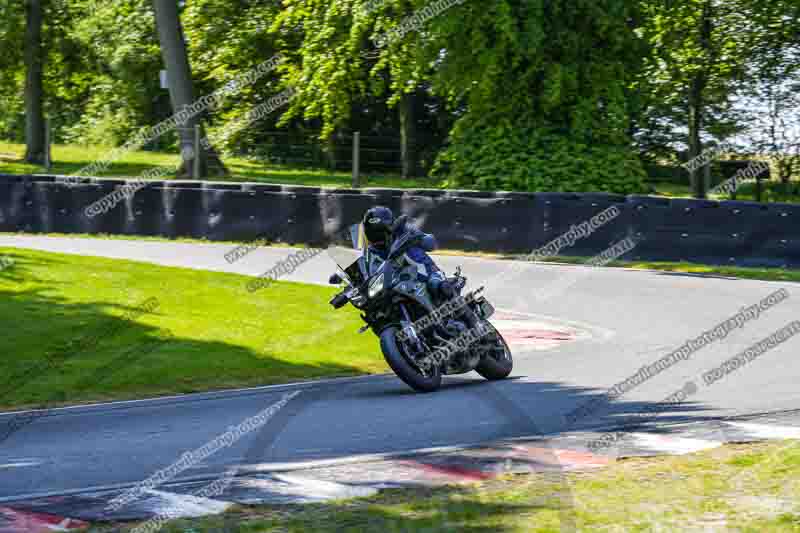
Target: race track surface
(622, 320)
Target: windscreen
(354, 272)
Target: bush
(504, 157)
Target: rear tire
(404, 370)
(494, 366)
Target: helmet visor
(376, 235)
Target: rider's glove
(446, 289)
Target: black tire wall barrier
(729, 232)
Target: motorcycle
(421, 339)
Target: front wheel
(402, 365)
(496, 360)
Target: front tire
(496, 363)
(403, 368)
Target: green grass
(224, 336)
(671, 190)
(773, 191)
(147, 238)
(721, 488)
(69, 159)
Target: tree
(698, 81)
(537, 87)
(181, 87)
(775, 112)
(227, 39)
(12, 70)
(34, 89)
(774, 84)
(409, 141)
(106, 84)
(694, 71)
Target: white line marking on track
(672, 445)
(317, 488)
(763, 431)
(62, 526)
(20, 464)
(254, 469)
(186, 505)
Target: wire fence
(376, 153)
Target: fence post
(196, 161)
(356, 149)
(48, 156)
(759, 190)
(330, 149)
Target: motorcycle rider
(381, 228)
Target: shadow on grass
(450, 508)
(51, 345)
(42, 331)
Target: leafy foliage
(515, 94)
(511, 157)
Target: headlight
(375, 286)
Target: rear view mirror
(357, 236)
(398, 222)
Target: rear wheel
(403, 364)
(496, 360)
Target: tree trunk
(696, 102)
(695, 144)
(408, 135)
(330, 151)
(34, 90)
(181, 89)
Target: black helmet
(378, 225)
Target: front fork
(408, 330)
(412, 339)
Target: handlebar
(339, 300)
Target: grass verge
(773, 191)
(68, 317)
(744, 487)
(142, 238)
(69, 159)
